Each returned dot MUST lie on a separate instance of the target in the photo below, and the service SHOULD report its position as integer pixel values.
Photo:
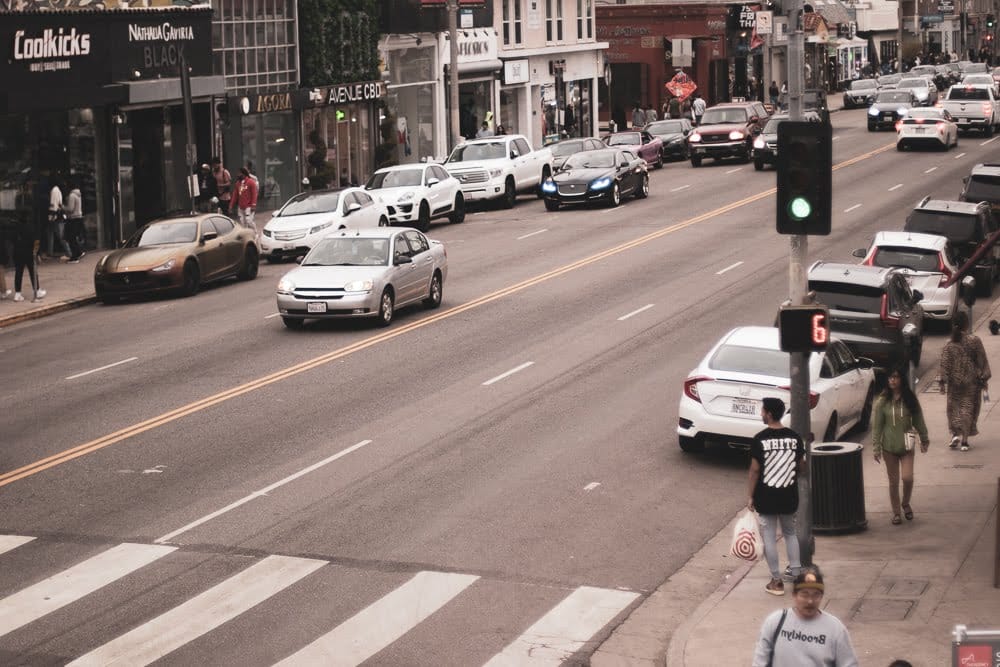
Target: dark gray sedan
(890, 106)
(673, 133)
(597, 176)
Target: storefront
(478, 69)
(414, 95)
(263, 131)
(852, 58)
(92, 99)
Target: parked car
(889, 106)
(927, 261)
(923, 89)
(765, 146)
(933, 128)
(922, 70)
(366, 273)
(304, 219)
(603, 176)
(973, 107)
(983, 184)
(969, 67)
(415, 194)
(673, 132)
(727, 130)
(563, 149)
(889, 81)
(814, 99)
(872, 310)
(642, 143)
(860, 93)
(722, 395)
(498, 168)
(178, 253)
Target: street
(517, 445)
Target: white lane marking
(102, 368)
(565, 629)
(733, 171)
(203, 613)
(262, 492)
(540, 231)
(271, 315)
(960, 155)
(8, 542)
(896, 187)
(728, 268)
(683, 187)
(516, 369)
(591, 486)
(927, 171)
(635, 312)
(852, 208)
(383, 622)
(989, 141)
(75, 582)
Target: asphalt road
(518, 442)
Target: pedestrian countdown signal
(805, 178)
(803, 328)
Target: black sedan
(861, 93)
(889, 106)
(674, 133)
(765, 146)
(605, 176)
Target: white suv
(415, 194)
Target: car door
(231, 243)
(369, 212)
(902, 303)
(851, 391)
(423, 262)
(524, 165)
(211, 251)
(405, 275)
(348, 217)
(628, 173)
(433, 190)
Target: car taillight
(888, 320)
(813, 397)
(691, 386)
(944, 270)
(987, 108)
(899, 124)
(940, 126)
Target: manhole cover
(883, 610)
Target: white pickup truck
(972, 107)
(499, 168)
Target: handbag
(747, 543)
(910, 439)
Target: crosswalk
(278, 610)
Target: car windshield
(889, 79)
(980, 79)
(863, 84)
(492, 150)
(931, 113)
(625, 139)
(182, 231)
(967, 68)
(957, 228)
(591, 160)
(395, 178)
(564, 148)
(983, 188)
(917, 259)
(755, 360)
(666, 127)
(912, 83)
(847, 296)
(310, 202)
(724, 117)
(969, 94)
(892, 97)
(773, 123)
(349, 251)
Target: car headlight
(549, 186)
(694, 138)
(736, 135)
(319, 228)
(495, 172)
(285, 286)
(166, 266)
(358, 286)
(873, 111)
(600, 183)
(267, 232)
(758, 143)
(406, 196)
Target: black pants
(24, 260)
(71, 234)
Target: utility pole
(191, 149)
(899, 36)
(454, 127)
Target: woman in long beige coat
(965, 372)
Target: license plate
(921, 130)
(289, 246)
(316, 307)
(744, 406)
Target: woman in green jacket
(896, 411)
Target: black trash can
(838, 487)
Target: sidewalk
(67, 286)
(899, 589)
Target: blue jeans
(769, 533)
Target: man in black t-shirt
(776, 457)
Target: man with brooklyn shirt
(776, 457)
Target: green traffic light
(800, 208)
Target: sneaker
(776, 587)
(965, 446)
(64, 258)
(83, 253)
(6, 295)
(954, 442)
(18, 296)
(73, 261)
(40, 294)
(788, 575)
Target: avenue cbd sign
(343, 93)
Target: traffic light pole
(797, 284)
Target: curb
(51, 309)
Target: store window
(254, 44)
(412, 105)
(343, 136)
(512, 23)
(269, 143)
(584, 19)
(553, 20)
(510, 110)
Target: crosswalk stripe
(565, 629)
(380, 624)
(75, 582)
(207, 611)
(8, 542)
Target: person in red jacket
(245, 199)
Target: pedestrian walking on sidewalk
(964, 375)
(26, 242)
(245, 199)
(56, 234)
(895, 412)
(223, 184)
(804, 635)
(777, 455)
(74, 224)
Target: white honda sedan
(415, 194)
(926, 127)
(722, 396)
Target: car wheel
(988, 130)
(866, 409)
(695, 161)
(871, 128)
(434, 295)
(642, 191)
(900, 147)
(615, 196)
(758, 165)
(457, 215)
(108, 299)
(386, 308)
(686, 154)
(830, 435)
(293, 323)
(551, 205)
(251, 264)
(424, 217)
(191, 279)
(546, 174)
(690, 445)
(659, 162)
(383, 221)
(509, 193)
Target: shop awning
(478, 66)
(844, 43)
(169, 90)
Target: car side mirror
(352, 208)
(513, 155)
(865, 362)
(623, 163)
(859, 253)
(208, 236)
(917, 296)
(402, 259)
(965, 180)
(967, 290)
(432, 181)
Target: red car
(642, 143)
(727, 131)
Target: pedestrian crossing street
(135, 604)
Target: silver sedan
(363, 273)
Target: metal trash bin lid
(834, 448)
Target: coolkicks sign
(52, 50)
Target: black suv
(872, 310)
(966, 225)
